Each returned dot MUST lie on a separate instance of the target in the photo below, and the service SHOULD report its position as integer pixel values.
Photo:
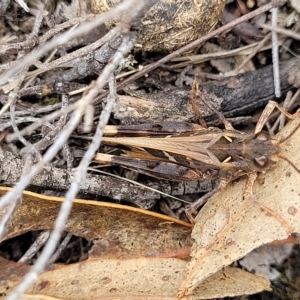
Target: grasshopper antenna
(291, 163)
(286, 139)
(290, 135)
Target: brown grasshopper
(181, 152)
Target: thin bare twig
(66, 206)
(275, 57)
(201, 40)
(81, 105)
(35, 247)
(61, 247)
(66, 37)
(286, 32)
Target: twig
(99, 186)
(31, 41)
(286, 32)
(40, 264)
(23, 5)
(275, 57)
(256, 49)
(28, 130)
(79, 52)
(66, 37)
(35, 247)
(201, 40)
(61, 247)
(67, 204)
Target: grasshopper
(182, 152)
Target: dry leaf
(228, 227)
(118, 230)
(122, 232)
(144, 278)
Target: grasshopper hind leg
(192, 208)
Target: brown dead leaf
(228, 227)
(121, 232)
(117, 230)
(144, 278)
(11, 274)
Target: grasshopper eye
(261, 161)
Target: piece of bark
(234, 96)
(98, 186)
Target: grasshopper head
(261, 152)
